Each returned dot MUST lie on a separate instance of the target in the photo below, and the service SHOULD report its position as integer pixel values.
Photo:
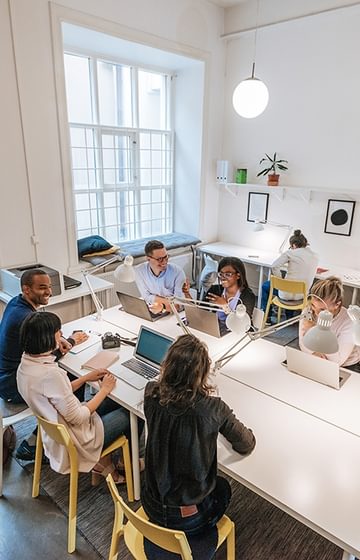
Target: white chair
(257, 318)
(10, 414)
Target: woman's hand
(219, 300)
(96, 374)
(64, 346)
(79, 336)
(108, 383)
(320, 355)
(186, 289)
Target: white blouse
(342, 326)
(47, 390)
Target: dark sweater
(247, 297)
(10, 350)
(181, 448)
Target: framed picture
(339, 217)
(257, 206)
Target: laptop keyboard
(142, 369)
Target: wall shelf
(281, 192)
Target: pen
(95, 332)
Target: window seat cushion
(136, 248)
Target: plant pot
(273, 180)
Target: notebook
(315, 368)
(103, 359)
(149, 353)
(205, 321)
(138, 307)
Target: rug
(263, 532)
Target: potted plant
(273, 166)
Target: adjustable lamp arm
(85, 272)
(234, 349)
(173, 300)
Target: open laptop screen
(152, 346)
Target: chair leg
(74, 475)
(37, 466)
(128, 471)
(116, 534)
(230, 544)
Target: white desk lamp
(318, 339)
(86, 272)
(125, 272)
(259, 226)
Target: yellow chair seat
(60, 434)
(284, 285)
(138, 527)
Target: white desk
(304, 466)
(264, 259)
(259, 366)
(349, 277)
(168, 326)
(249, 255)
(302, 463)
(99, 285)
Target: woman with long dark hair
(182, 489)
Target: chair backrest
(60, 434)
(257, 318)
(168, 539)
(293, 286)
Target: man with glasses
(157, 278)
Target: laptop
(138, 307)
(149, 353)
(204, 321)
(315, 368)
(70, 282)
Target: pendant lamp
(251, 96)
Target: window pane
(78, 90)
(114, 87)
(152, 100)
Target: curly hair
(238, 266)
(184, 372)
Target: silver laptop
(138, 307)
(204, 321)
(315, 368)
(149, 353)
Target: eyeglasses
(160, 259)
(226, 274)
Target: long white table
(259, 366)
(307, 456)
(264, 259)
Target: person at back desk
(301, 264)
(157, 279)
(184, 420)
(331, 293)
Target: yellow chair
(138, 527)
(293, 286)
(60, 434)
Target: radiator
(183, 260)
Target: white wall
(180, 25)
(312, 120)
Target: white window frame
(137, 227)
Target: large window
(122, 148)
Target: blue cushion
(92, 244)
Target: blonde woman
(331, 292)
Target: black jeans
(210, 510)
